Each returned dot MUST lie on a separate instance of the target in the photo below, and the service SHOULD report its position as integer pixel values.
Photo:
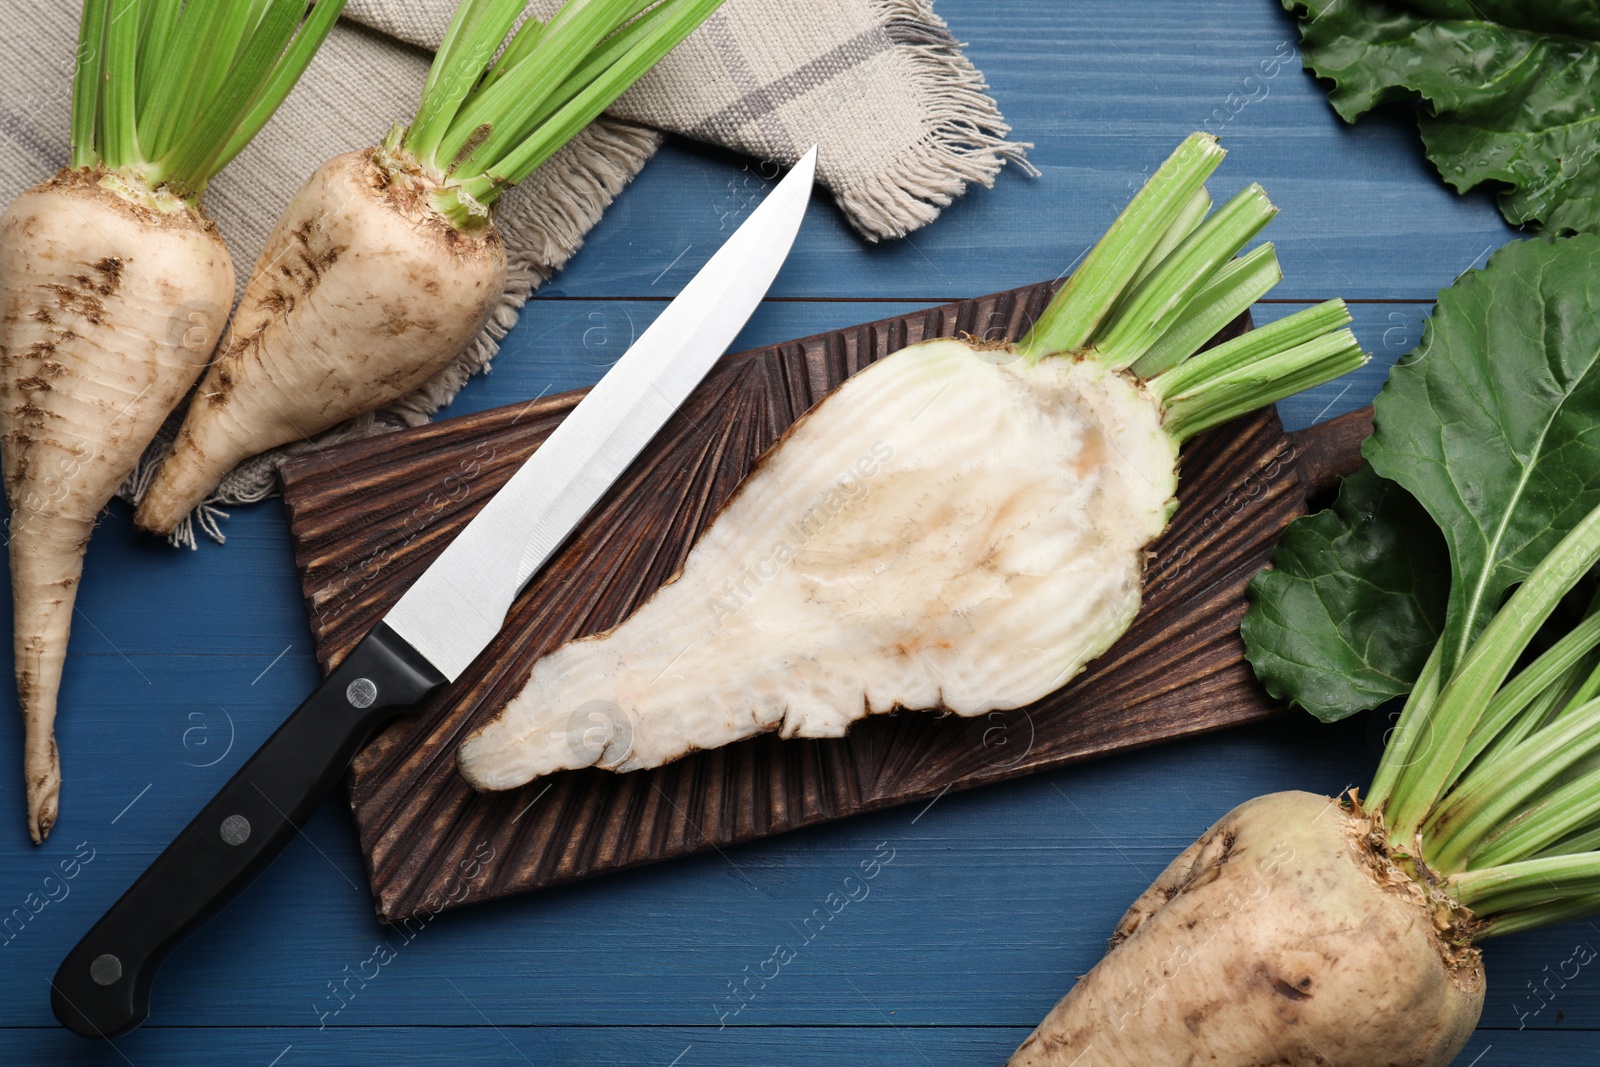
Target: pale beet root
(362, 293)
(997, 560)
(1284, 936)
(111, 300)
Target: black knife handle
(103, 986)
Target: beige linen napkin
(900, 112)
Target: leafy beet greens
(1486, 453)
(1510, 91)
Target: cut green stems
(1528, 720)
(1543, 710)
(607, 59)
(1161, 299)
(661, 37)
(492, 123)
(476, 32)
(156, 34)
(529, 37)
(478, 133)
(222, 30)
(1517, 709)
(166, 93)
(1500, 787)
(162, 108)
(1493, 784)
(1109, 268)
(1230, 293)
(1562, 813)
(285, 75)
(1469, 692)
(197, 59)
(1399, 751)
(1528, 884)
(520, 48)
(1558, 911)
(119, 138)
(197, 151)
(1266, 381)
(1590, 687)
(86, 84)
(1251, 348)
(1192, 215)
(1586, 840)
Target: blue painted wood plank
(1104, 91)
(141, 596)
(618, 943)
(606, 1046)
(1011, 890)
(568, 1046)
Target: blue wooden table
(986, 904)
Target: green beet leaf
(1492, 429)
(1510, 91)
(1353, 604)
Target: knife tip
(808, 163)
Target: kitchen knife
(451, 613)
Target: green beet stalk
(484, 126)
(1162, 298)
(1467, 696)
(1227, 295)
(1167, 277)
(166, 95)
(1491, 782)
(1113, 263)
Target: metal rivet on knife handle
(361, 693)
(105, 969)
(235, 830)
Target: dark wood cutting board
(369, 516)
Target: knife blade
(433, 633)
